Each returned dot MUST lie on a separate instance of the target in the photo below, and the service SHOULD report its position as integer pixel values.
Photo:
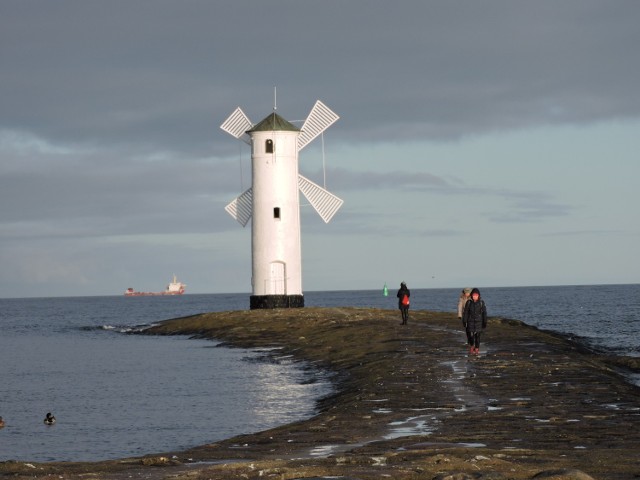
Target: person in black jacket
(403, 303)
(474, 319)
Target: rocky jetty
(410, 403)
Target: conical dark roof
(273, 122)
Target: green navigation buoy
(385, 290)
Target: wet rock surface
(411, 403)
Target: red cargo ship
(174, 288)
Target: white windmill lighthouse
(273, 201)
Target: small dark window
(268, 146)
(276, 212)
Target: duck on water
(49, 419)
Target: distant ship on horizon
(174, 288)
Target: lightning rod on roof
(275, 99)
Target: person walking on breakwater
(474, 319)
(465, 294)
(462, 301)
(403, 302)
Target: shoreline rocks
(410, 403)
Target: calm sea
(117, 395)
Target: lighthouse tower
(273, 202)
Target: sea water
(117, 395)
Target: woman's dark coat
(474, 317)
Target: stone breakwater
(411, 403)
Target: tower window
(268, 146)
(276, 212)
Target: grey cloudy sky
(504, 129)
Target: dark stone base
(276, 301)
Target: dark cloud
(163, 75)
(530, 207)
(520, 206)
(343, 179)
(111, 110)
(94, 194)
(592, 232)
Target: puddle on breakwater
(422, 425)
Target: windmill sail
(237, 124)
(240, 207)
(324, 202)
(320, 118)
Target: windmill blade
(240, 207)
(237, 124)
(325, 203)
(320, 118)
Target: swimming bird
(49, 419)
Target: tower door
(277, 286)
